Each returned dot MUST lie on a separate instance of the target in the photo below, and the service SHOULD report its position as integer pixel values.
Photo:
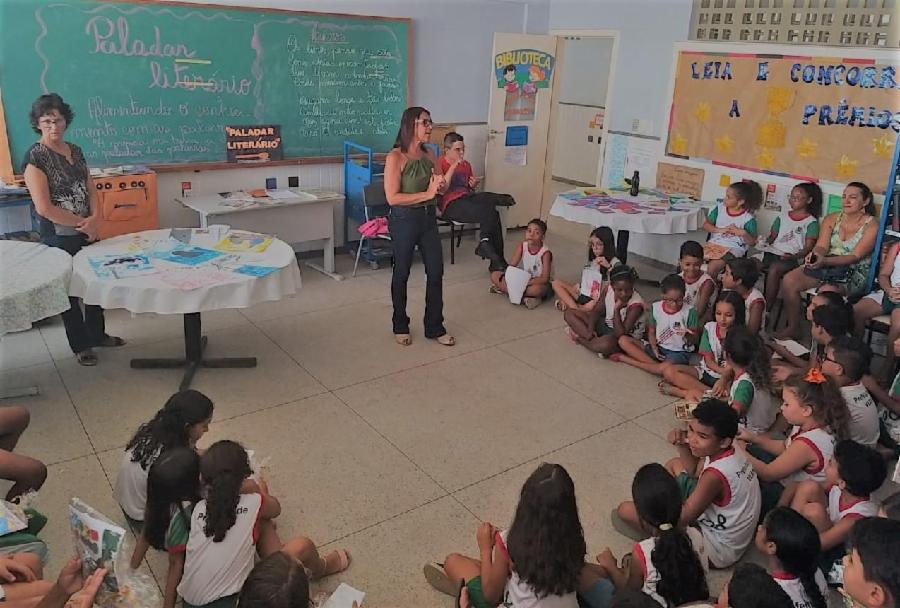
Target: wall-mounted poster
(522, 74)
(826, 118)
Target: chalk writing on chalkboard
(155, 84)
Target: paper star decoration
(882, 146)
(765, 159)
(679, 144)
(807, 148)
(702, 111)
(724, 144)
(845, 167)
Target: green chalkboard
(157, 83)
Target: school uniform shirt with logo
(179, 530)
(593, 278)
(752, 298)
(889, 418)
(711, 344)
(822, 443)
(864, 427)
(519, 594)
(609, 302)
(643, 551)
(855, 509)
(794, 588)
(666, 324)
(131, 486)
(728, 524)
(533, 263)
(722, 218)
(215, 570)
(791, 234)
(692, 290)
(759, 413)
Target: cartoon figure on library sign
(522, 73)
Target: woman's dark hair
(744, 271)
(814, 192)
(169, 428)
(749, 351)
(797, 547)
(867, 196)
(657, 500)
(750, 193)
(752, 587)
(173, 478)
(546, 541)
(407, 131)
(862, 468)
(729, 296)
(279, 581)
(623, 273)
(829, 407)
(223, 468)
(45, 104)
(605, 235)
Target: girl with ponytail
(232, 525)
(791, 544)
(671, 565)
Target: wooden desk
(308, 217)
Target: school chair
(375, 205)
(457, 229)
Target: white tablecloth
(34, 284)
(149, 294)
(620, 211)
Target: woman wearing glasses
(58, 179)
(412, 185)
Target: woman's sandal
(87, 358)
(403, 339)
(446, 340)
(437, 578)
(343, 562)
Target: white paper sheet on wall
(641, 157)
(515, 155)
(616, 149)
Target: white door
(521, 86)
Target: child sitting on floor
(752, 587)
(818, 415)
(618, 310)
(717, 483)
(888, 409)
(827, 322)
(741, 276)
(672, 331)
(231, 525)
(732, 223)
(25, 472)
(691, 382)
(834, 505)
(872, 564)
(700, 287)
(534, 258)
(791, 546)
(537, 562)
(670, 565)
(601, 259)
(847, 361)
(751, 388)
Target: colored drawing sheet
(807, 117)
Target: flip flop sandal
(446, 340)
(343, 562)
(403, 339)
(111, 342)
(88, 358)
(624, 528)
(438, 579)
(560, 306)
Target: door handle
(495, 132)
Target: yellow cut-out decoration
(779, 99)
(679, 144)
(702, 111)
(724, 144)
(807, 148)
(846, 167)
(771, 133)
(882, 146)
(765, 159)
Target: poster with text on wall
(522, 74)
(808, 117)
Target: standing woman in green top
(412, 184)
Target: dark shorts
(582, 299)
(686, 485)
(476, 594)
(598, 595)
(707, 379)
(887, 307)
(770, 259)
(829, 274)
(679, 357)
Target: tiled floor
(395, 453)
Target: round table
(620, 211)
(207, 281)
(34, 285)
